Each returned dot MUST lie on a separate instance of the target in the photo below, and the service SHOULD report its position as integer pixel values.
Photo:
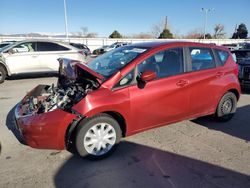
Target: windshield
(111, 62)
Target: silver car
(35, 56)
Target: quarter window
(126, 80)
(202, 58)
(165, 63)
(223, 55)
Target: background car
(107, 48)
(35, 56)
(6, 43)
(244, 72)
(115, 45)
(82, 47)
(100, 50)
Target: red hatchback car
(126, 91)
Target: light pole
(65, 19)
(206, 10)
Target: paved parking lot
(197, 153)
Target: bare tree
(143, 36)
(157, 29)
(219, 31)
(91, 35)
(194, 34)
(84, 31)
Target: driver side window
(24, 47)
(164, 63)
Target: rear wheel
(226, 107)
(3, 74)
(97, 137)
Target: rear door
(203, 75)
(49, 53)
(164, 99)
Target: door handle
(219, 74)
(182, 83)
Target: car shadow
(31, 76)
(238, 126)
(11, 124)
(135, 165)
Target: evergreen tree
(115, 34)
(165, 34)
(241, 32)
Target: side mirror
(147, 76)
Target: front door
(164, 99)
(23, 58)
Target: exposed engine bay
(73, 85)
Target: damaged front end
(45, 113)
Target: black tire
(226, 107)
(84, 129)
(3, 74)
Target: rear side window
(202, 58)
(223, 55)
(49, 46)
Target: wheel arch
(71, 129)
(6, 68)
(236, 92)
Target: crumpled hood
(69, 69)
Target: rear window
(223, 55)
(202, 58)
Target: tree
(241, 32)
(84, 31)
(91, 35)
(115, 34)
(142, 36)
(157, 29)
(219, 31)
(166, 34)
(207, 36)
(195, 34)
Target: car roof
(178, 43)
(42, 40)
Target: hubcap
(227, 106)
(99, 139)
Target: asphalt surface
(197, 153)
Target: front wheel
(97, 137)
(226, 107)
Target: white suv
(35, 56)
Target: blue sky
(126, 16)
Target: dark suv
(243, 60)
